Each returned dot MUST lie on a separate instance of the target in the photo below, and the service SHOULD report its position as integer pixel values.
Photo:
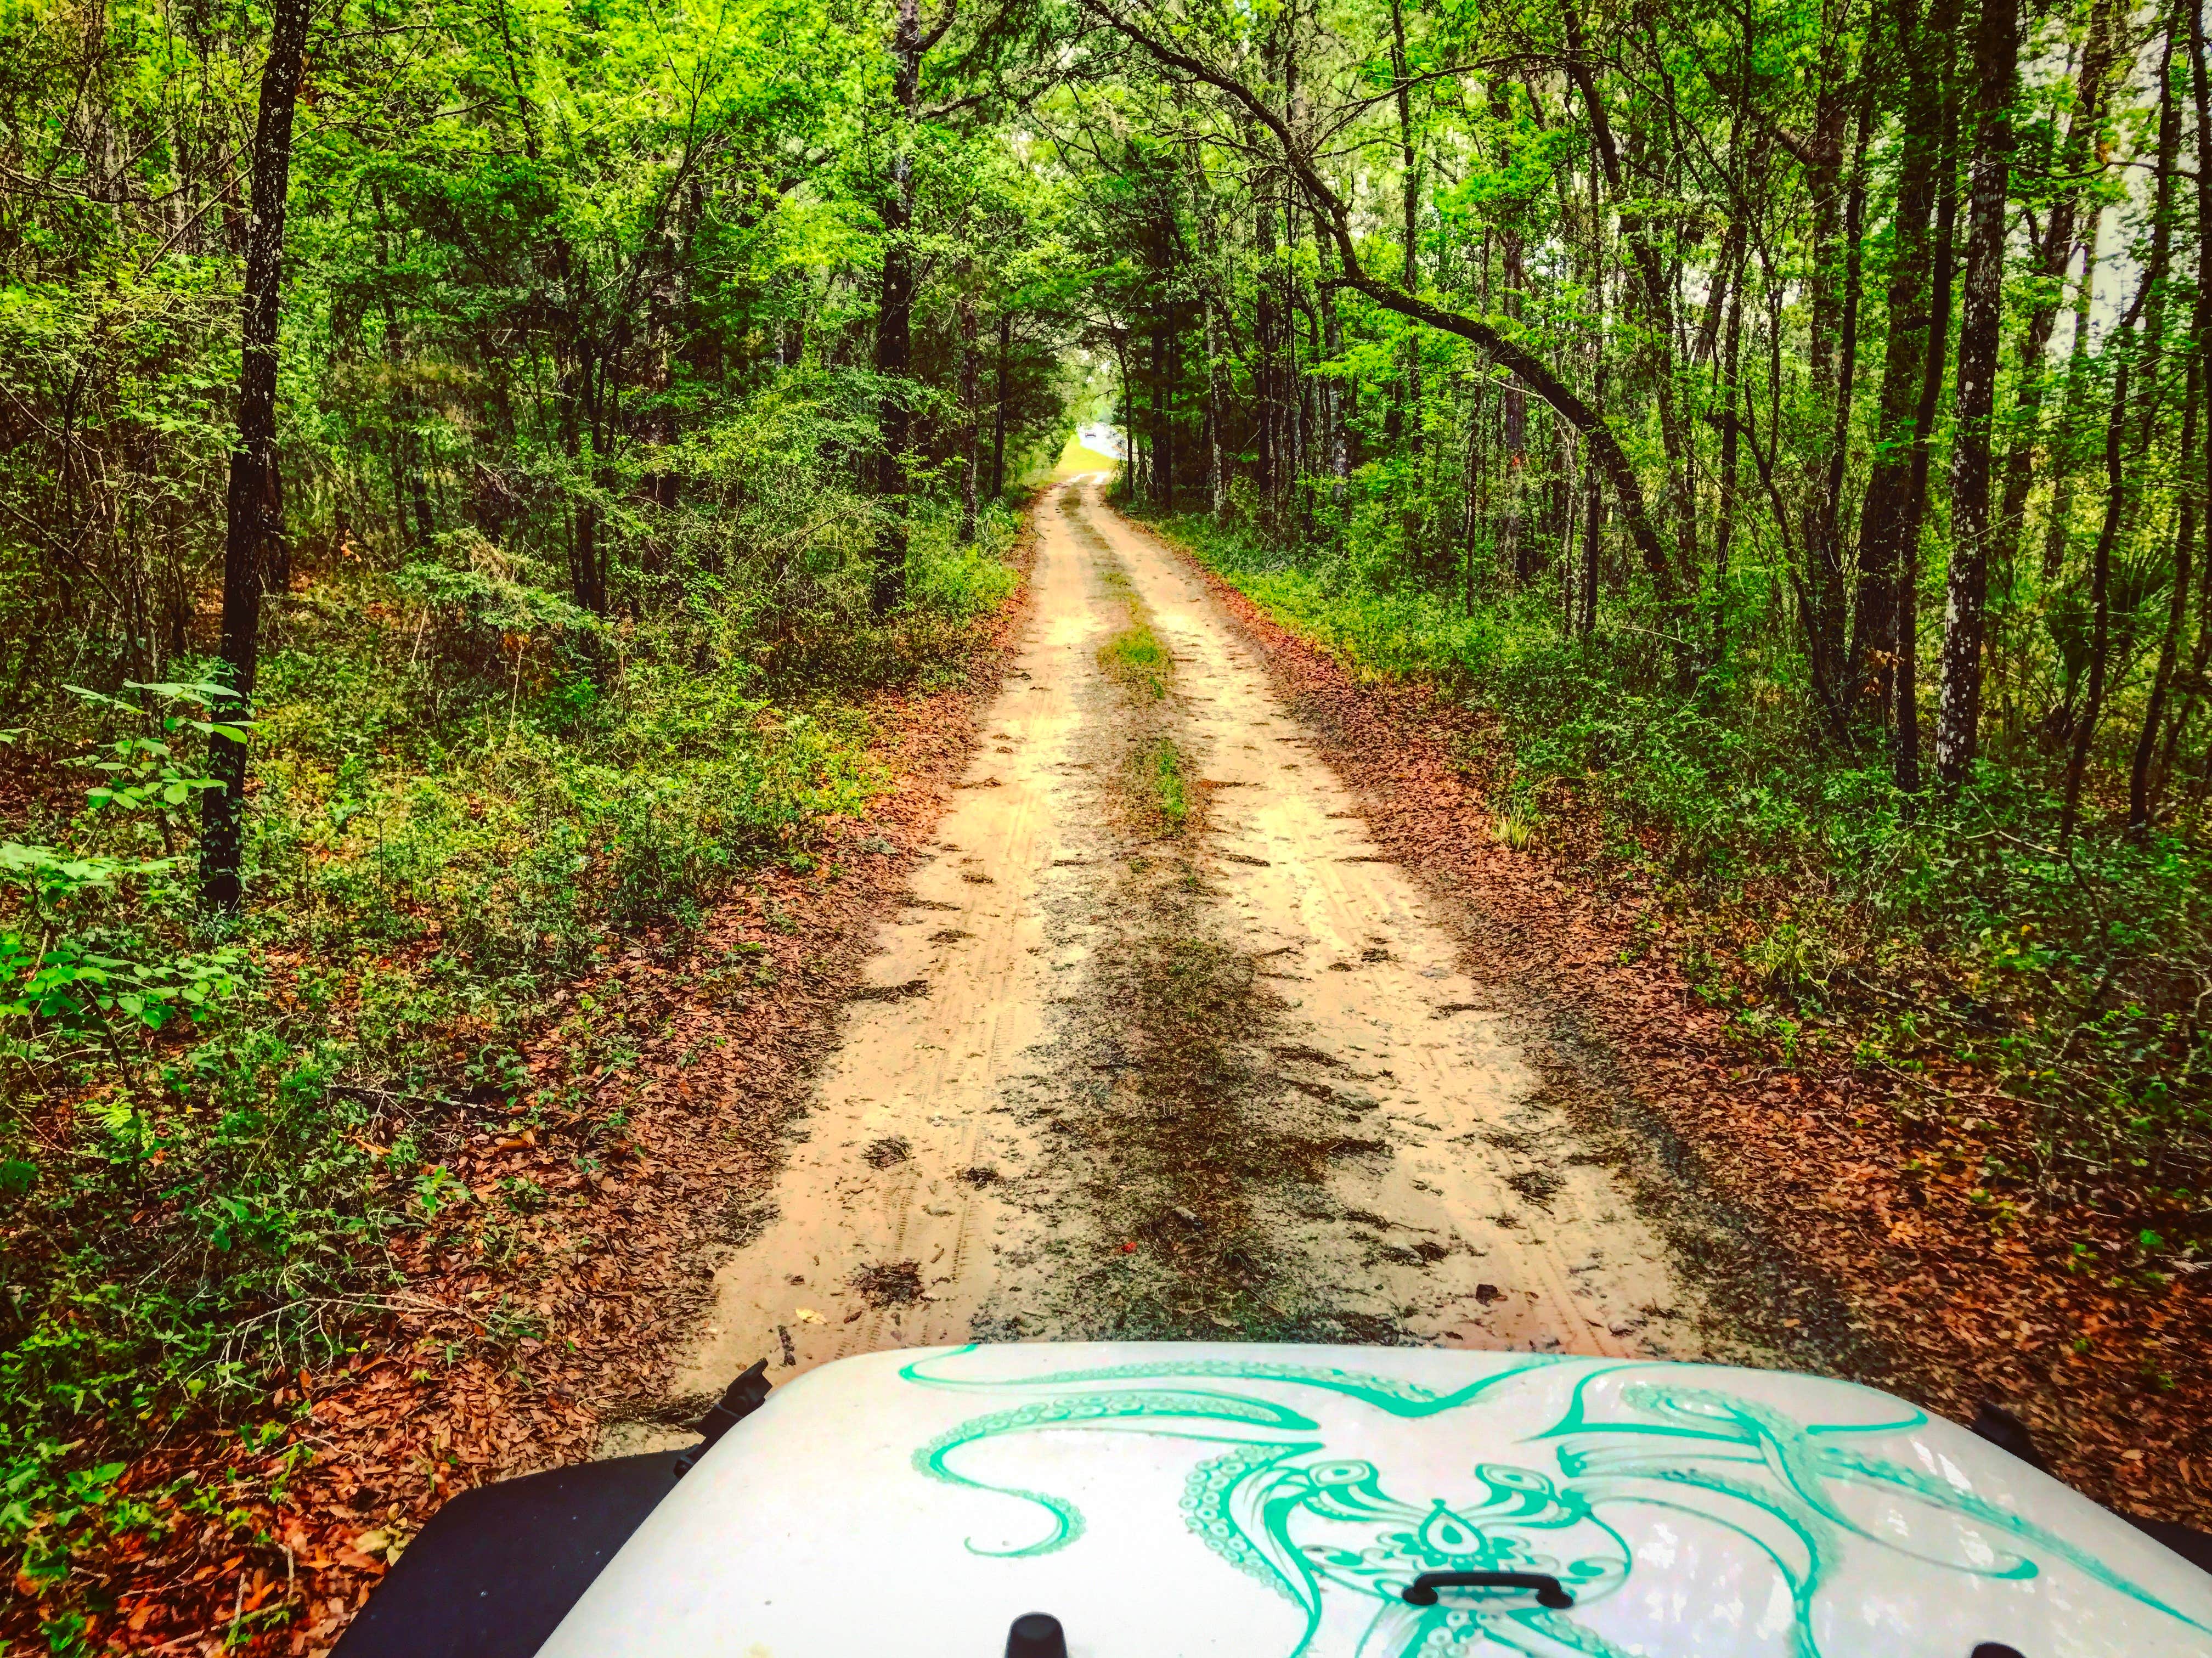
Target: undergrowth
(469, 792)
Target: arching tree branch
(1524, 365)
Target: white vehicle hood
(1272, 1501)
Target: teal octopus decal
(1329, 1534)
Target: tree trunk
(1339, 390)
(255, 503)
(1293, 427)
(2201, 656)
(586, 572)
(971, 426)
(2196, 504)
(1217, 405)
(1519, 547)
(1959, 713)
(2159, 269)
(1733, 273)
(1904, 724)
(1410, 175)
(1724, 530)
(1824, 546)
(411, 490)
(2052, 254)
(1834, 318)
(998, 408)
(1886, 517)
(895, 322)
(1163, 418)
(1648, 295)
(1133, 456)
(2066, 441)
(1471, 496)
(2100, 600)
(1592, 536)
(2140, 801)
(1266, 397)
(661, 485)
(1567, 539)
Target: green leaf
(202, 691)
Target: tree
(911, 44)
(1604, 443)
(1958, 712)
(254, 539)
(2194, 510)
(1887, 522)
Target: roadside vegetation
(215, 1135)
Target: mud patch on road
(889, 1283)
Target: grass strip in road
(1170, 784)
(1135, 660)
(1195, 1157)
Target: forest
(1780, 426)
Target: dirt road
(1160, 1046)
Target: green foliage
(145, 774)
(89, 952)
(1167, 782)
(571, 631)
(584, 483)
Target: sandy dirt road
(1160, 1046)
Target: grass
(1076, 458)
(1515, 825)
(1135, 660)
(1167, 783)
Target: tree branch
(1522, 365)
